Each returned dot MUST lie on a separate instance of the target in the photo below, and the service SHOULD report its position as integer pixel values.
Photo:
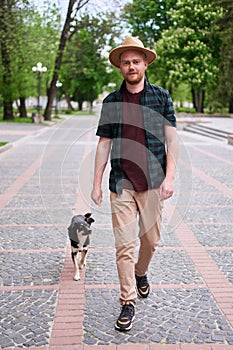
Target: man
(137, 125)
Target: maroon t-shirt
(133, 145)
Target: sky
(95, 5)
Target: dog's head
(80, 225)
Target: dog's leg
(82, 262)
(74, 256)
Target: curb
(5, 147)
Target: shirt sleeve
(104, 128)
(106, 122)
(170, 117)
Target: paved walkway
(45, 178)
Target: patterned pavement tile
(32, 237)
(26, 317)
(31, 269)
(101, 268)
(167, 316)
(215, 235)
(224, 260)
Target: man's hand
(101, 158)
(97, 195)
(166, 189)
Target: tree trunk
(193, 98)
(91, 106)
(201, 97)
(68, 101)
(231, 105)
(22, 108)
(198, 97)
(8, 113)
(64, 37)
(80, 105)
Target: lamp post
(58, 84)
(39, 69)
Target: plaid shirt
(157, 110)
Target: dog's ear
(87, 215)
(90, 220)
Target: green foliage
(225, 31)
(17, 120)
(181, 93)
(193, 40)
(188, 46)
(26, 37)
(148, 18)
(186, 57)
(84, 71)
(189, 50)
(194, 43)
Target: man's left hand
(166, 189)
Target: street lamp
(58, 84)
(39, 69)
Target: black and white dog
(79, 233)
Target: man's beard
(134, 82)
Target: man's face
(133, 66)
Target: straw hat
(130, 43)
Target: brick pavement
(45, 178)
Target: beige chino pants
(130, 210)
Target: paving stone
(168, 237)
(224, 261)
(169, 315)
(104, 236)
(26, 201)
(28, 316)
(212, 214)
(98, 272)
(198, 184)
(165, 271)
(46, 215)
(173, 321)
(32, 237)
(214, 198)
(216, 235)
(31, 268)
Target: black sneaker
(124, 322)
(143, 287)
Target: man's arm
(167, 186)
(101, 159)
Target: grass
(3, 143)
(28, 119)
(16, 120)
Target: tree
(85, 69)
(189, 50)
(148, 18)
(67, 31)
(26, 37)
(8, 42)
(42, 32)
(225, 30)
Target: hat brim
(114, 56)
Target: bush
(185, 110)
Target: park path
(45, 179)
